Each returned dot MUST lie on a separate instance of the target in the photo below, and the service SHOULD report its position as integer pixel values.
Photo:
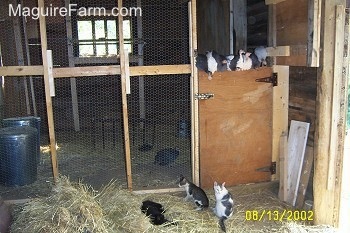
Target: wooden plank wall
(292, 30)
(213, 26)
(14, 93)
(302, 97)
(302, 104)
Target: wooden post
(344, 201)
(24, 23)
(326, 201)
(314, 27)
(337, 81)
(272, 41)
(279, 112)
(194, 89)
(43, 37)
(283, 166)
(124, 98)
(73, 84)
(19, 50)
(140, 63)
(240, 23)
(232, 28)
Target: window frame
(95, 42)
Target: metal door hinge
(273, 79)
(203, 96)
(271, 168)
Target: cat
(224, 204)
(216, 62)
(195, 193)
(244, 61)
(155, 212)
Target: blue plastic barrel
(18, 148)
(25, 121)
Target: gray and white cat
(224, 204)
(195, 193)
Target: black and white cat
(216, 62)
(195, 193)
(224, 204)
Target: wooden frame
(86, 71)
(280, 113)
(123, 74)
(43, 37)
(194, 89)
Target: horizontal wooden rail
(69, 72)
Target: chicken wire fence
(87, 111)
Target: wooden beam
(305, 177)
(232, 28)
(83, 71)
(344, 160)
(240, 23)
(50, 75)
(194, 90)
(283, 166)
(297, 138)
(314, 33)
(51, 125)
(151, 191)
(274, 2)
(278, 51)
(272, 31)
(19, 52)
(159, 70)
(24, 23)
(17, 201)
(88, 71)
(290, 50)
(21, 71)
(140, 46)
(336, 94)
(73, 82)
(326, 205)
(124, 98)
(279, 112)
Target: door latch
(203, 96)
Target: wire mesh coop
(88, 110)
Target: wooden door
(235, 127)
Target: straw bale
(78, 208)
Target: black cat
(155, 212)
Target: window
(99, 37)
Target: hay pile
(78, 208)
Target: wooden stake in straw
(50, 121)
(123, 73)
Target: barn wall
(302, 105)
(302, 97)
(292, 29)
(213, 22)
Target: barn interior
(118, 98)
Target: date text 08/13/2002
(279, 215)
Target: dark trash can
(18, 148)
(25, 121)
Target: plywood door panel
(235, 127)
